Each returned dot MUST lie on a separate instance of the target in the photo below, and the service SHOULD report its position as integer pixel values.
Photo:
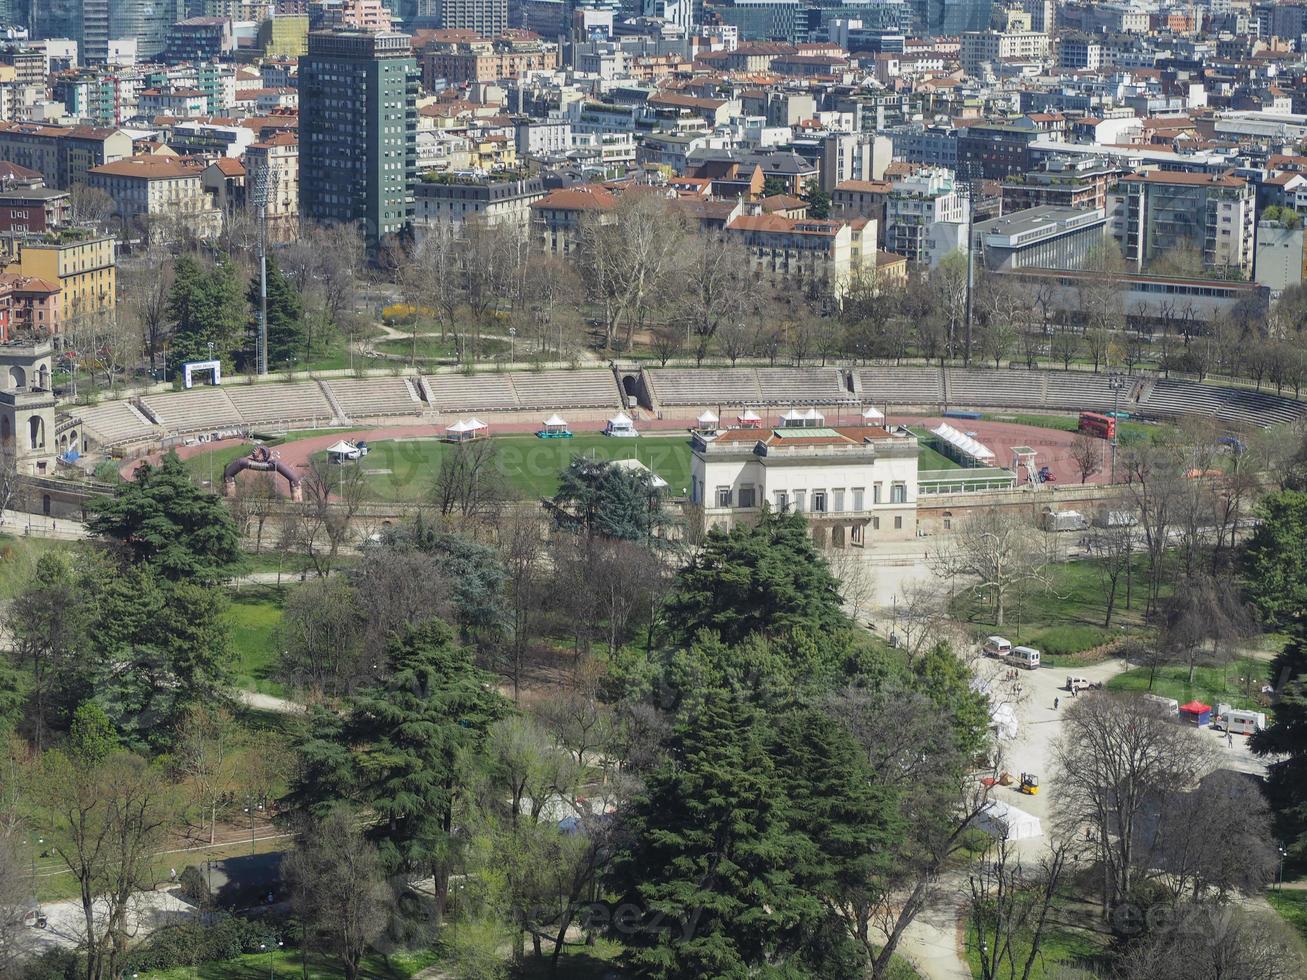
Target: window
(898, 523)
(875, 494)
(798, 500)
(875, 523)
(819, 501)
(837, 501)
(899, 493)
(748, 496)
(858, 494)
(782, 501)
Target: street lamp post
(512, 344)
(1116, 382)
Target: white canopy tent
(620, 425)
(1004, 820)
(873, 415)
(342, 448)
(749, 419)
(708, 420)
(1003, 719)
(963, 442)
(556, 422)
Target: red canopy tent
(1196, 713)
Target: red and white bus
(1103, 426)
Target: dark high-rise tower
(358, 131)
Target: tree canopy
(767, 579)
(598, 497)
(163, 520)
(1275, 561)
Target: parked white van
(996, 646)
(1027, 657)
(1167, 706)
(1074, 683)
(1237, 721)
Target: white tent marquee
(1004, 820)
(963, 442)
(1003, 719)
(873, 415)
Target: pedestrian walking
(1229, 739)
(1056, 701)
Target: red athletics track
(1052, 445)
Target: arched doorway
(36, 432)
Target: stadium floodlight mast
(263, 189)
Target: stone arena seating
(1172, 398)
(584, 388)
(985, 386)
(804, 386)
(1075, 390)
(370, 397)
(193, 411)
(114, 422)
(894, 385)
(295, 402)
(705, 386)
(464, 392)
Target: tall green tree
(1286, 740)
(205, 307)
(710, 861)
(767, 579)
(285, 318)
(1275, 561)
(162, 519)
(598, 497)
(852, 826)
(401, 748)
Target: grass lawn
(1060, 949)
(1236, 683)
(434, 348)
(1063, 620)
(18, 558)
(1128, 433)
(529, 465)
(1291, 905)
(254, 616)
(206, 467)
(287, 963)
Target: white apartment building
(856, 484)
(914, 206)
(1158, 211)
(980, 48)
(277, 162)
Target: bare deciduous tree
(469, 484)
(1004, 551)
(1087, 454)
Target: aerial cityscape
(603, 489)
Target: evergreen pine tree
(1286, 782)
(285, 319)
(706, 878)
(206, 307)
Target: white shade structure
(555, 420)
(873, 414)
(748, 415)
(708, 418)
(341, 448)
(620, 425)
(963, 442)
(1004, 820)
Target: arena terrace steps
(705, 386)
(583, 388)
(804, 386)
(1075, 390)
(115, 422)
(979, 387)
(1173, 398)
(373, 397)
(194, 411)
(908, 385)
(466, 392)
(295, 402)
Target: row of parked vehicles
(1001, 649)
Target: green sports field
(405, 469)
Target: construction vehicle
(1029, 784)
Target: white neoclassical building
(856, 484)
